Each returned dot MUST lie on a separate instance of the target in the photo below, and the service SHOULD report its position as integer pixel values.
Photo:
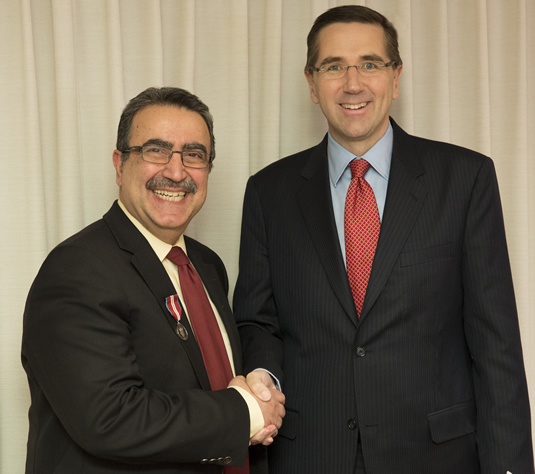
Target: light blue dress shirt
(379, 157)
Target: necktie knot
(178, 256)
(358, 168)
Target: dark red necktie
(361, 230)
(206, 329)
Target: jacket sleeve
(492, 333)
(255, 308)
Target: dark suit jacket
(113, 388)
(431, 378)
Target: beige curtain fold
(69, 66)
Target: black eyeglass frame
(356, 66)
(140, 150)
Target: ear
(118, 165)
(397, 73)
(312, 87)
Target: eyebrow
(331, 59)
(166, 144)
(159, 142)
(194, 146)
(338, 59)
(373, 57)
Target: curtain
(70, 66)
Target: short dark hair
(171, 96)
(352, 14)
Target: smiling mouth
(169, 195)
(354, 106)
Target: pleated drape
(68, 67)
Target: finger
(263, 436)
(278, 396)
(259, 383)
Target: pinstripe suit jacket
(113, 388)
(431, 376)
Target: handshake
(260, 385)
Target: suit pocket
(290, 424)
(453, 422)
(418, 257)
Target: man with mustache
(129, 343)
(375, 284)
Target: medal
(181, 331)
(175, 308)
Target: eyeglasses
(364, 68)
(156, 154)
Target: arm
(492, 332)
(84, 346)
(255, 308)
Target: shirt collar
(160, 247)
(379, 156)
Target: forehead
(351, 40)
(173, 124)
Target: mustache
(158, 182)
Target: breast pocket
(427, 255)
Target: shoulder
(89, 244)
(292, 166)
(198, 249)
(448, 150)
(98, 248)
(200, 254)
(432, 155)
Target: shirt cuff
(255, 413)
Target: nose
(175, 169)
(353, 82)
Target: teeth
(169, 196)
(354, 107)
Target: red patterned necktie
(206, 329)
(361, 230)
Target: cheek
(325, 91)
(202, 187)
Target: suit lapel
(213, 285)
(404, 200)
(314, 200)
(153, 273)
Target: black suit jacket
(431, 377)
(113, 388)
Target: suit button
(361, 352)
(227, 460)
(351, 424)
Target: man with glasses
(375, 285)
(129, 342)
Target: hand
(265, 436)
(260, 383)
(272, 409)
